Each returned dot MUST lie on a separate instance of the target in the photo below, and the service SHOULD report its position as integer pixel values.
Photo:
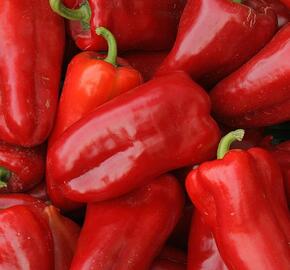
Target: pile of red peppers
(145, 135)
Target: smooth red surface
(216, 37)
(39, 192)
(257, 94)
(127, 233)
(26, 242)
(241, 198)
(9, 200)
(145, 62)
(203, 253)
(286, 2)
(159, 126)
(26, 165)
(145, 25)
(30, 65)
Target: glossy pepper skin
(286, 3)
(234, 33)
(20, 168)
(144, 24)
(158, 126)
(128, 232)
(145, 62)
(61, 233)
(203, 253)
(90, 81)
(241, 199)
(257, 94)
(30, 67)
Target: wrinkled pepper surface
(241, 198)
(216, 37)
(128, 232)
(20, 168)
(31, 54)
(143, 24)
(257, 94)
(165, 124)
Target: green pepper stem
(83, 13)
(237, 1)
(4, 177)
(226, 141)
(112, 45)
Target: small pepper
(20, 168)
(128, 232)
(257, 94)
(241, 198)
(165, 124)
(216, 37)
(31, 51)
(142, 24)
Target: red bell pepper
(26, 242)
(282, 12)
(203, 253)
(58, 240)
(281, 153)
(31, 54)
(159, 126)
(128, 232)
(145, 62)
(257, 94)
(241, 199)
(90, 82)
(143, 24)
(216, 37)
(20, 168)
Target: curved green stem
(237, 1)
(226, 141)
(112, 44)
(83, 13)
(4, 177)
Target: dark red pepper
(20, 168)
(159, 126)
(31, 54)
(128, 232)
(143, 24)
(216, 37)
(39, 192)
(257, 94)
(241, 198)
(145, 62)
(281, 153)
